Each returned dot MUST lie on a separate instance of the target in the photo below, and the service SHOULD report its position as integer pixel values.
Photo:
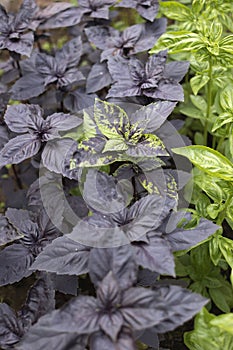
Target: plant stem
(222, 139)
(209, 103)
(18, 181)
(222, 215)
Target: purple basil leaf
(4, 136)
(28, 86)
(54, 154)
(150, 338)
(51, 10)
(152, 116)
(25, 15)
(20, 219)
(65, 284)
(11, 328)
(22, 118)
(41, 336)
(63, 122)
(182, 238)
(176, 70)
(123, 84)
(96, 8)
(24, 46)
(4, 19)
(70, 53)
(102, 36)
(150, 33)
(45, 64)
(98, 77)
(101, 341)
(180, 306)
(146, 278)
(15, 261)
(40, 300)
(119, 260)
(96, 231)
(146, 8)
(108, 294)
(137, 311)
(63, 256)
(166, 91)
(13, 36)
(8, 233)
(133, 78)
(78, 99)
(19, 148)
(155, 255)
(78, 316)
(101, 189)
(143, 216)
(66, 18)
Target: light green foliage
(205, 278)
(110, 135)
(207, 336)
(202, 33)
(208, 160)
(224, 322)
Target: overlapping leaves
(154, 79)
(134, 39)
(16, 258)
(146, 8)
(42, 70)
(111, 135)
(35, 131)
(111, 317)
(40, 300)
(15, 33)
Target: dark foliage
(35, 132)
(42, 70)
(147, 8)
(154, 79)
(90, 198)
(40, 300)
(15, 30)
(37, 232)
(134, 39)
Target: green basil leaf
(192, 112)
(226, 44)
(226, 98)
(221, 120)
(210, 161)
(206, 336)
(180, 41)
(111, 120)
(229, 209)
(115, 145)
(175, 10)
(89, 126)
(149, 146)
(226, 247)
(224, 322)
(199, 102)
(222, 296)
(198, 82)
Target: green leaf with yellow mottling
(115, 145)
(111, 120)
(149, 146)
(210, 161)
